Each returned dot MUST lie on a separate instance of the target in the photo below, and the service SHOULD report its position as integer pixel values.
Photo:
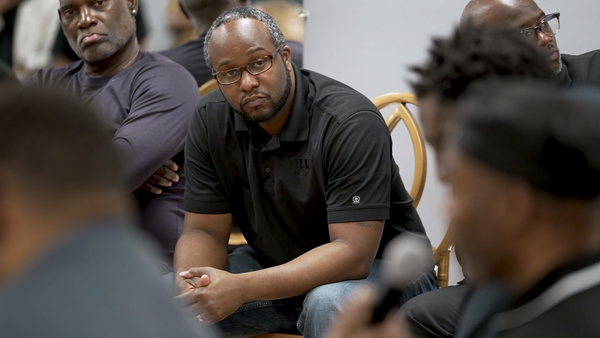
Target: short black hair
(54, 147)
(243, 12)
(534, 131)
(478, 53)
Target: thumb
(204, 281)
(194, 272)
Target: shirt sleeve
(359, 169)
(204, 192)
(154, 131)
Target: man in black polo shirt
(303, 164)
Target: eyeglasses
(550, 26)
(258, 66)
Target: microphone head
(405, 258)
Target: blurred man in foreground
(71, 264)
(525, 173)
(453, 64)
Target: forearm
(329, 263)
(141, 162)
(197, 248)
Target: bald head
(519, 14)
(500, 12)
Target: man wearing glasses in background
(303, 164)
(541, 28)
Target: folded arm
(155, 128)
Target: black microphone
(405, 258)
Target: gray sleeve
(163, 99)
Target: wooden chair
(208, 87)
(441, 254)
(401, 113)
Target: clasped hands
(211, 294)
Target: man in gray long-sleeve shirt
(145, 99)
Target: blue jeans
(309, 315)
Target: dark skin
(434, 115)
(204, 12)
(103, 34)
(517, 13)
(201, 252)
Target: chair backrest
(441, 254)
(208, 87)
(401, 113)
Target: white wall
(155, 13)
(368, 44)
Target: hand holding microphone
(405, 258)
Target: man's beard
(559, 69)
(275, 105)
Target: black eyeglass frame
(545, 20)
(241, 69)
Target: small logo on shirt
(356, 200)
(299, 163)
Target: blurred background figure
(36, 25)
(6, 74)
(71, 263)
(191, 54)
(202, 14)
(287, 14)
(181, 26)
(8, 15)
(540, 28)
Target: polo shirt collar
(297, 126)
(240, 123)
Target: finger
(185, 285)
(158, 180)
(195, 272)
(203, 281)
(359, 309)
(402, 325)
(394, 325)
(150, 188)
(192, 301)
(168, 174)
(187, 299)
(171, 165)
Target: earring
(133, 11)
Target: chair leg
(443, 269)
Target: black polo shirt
(331, 163)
